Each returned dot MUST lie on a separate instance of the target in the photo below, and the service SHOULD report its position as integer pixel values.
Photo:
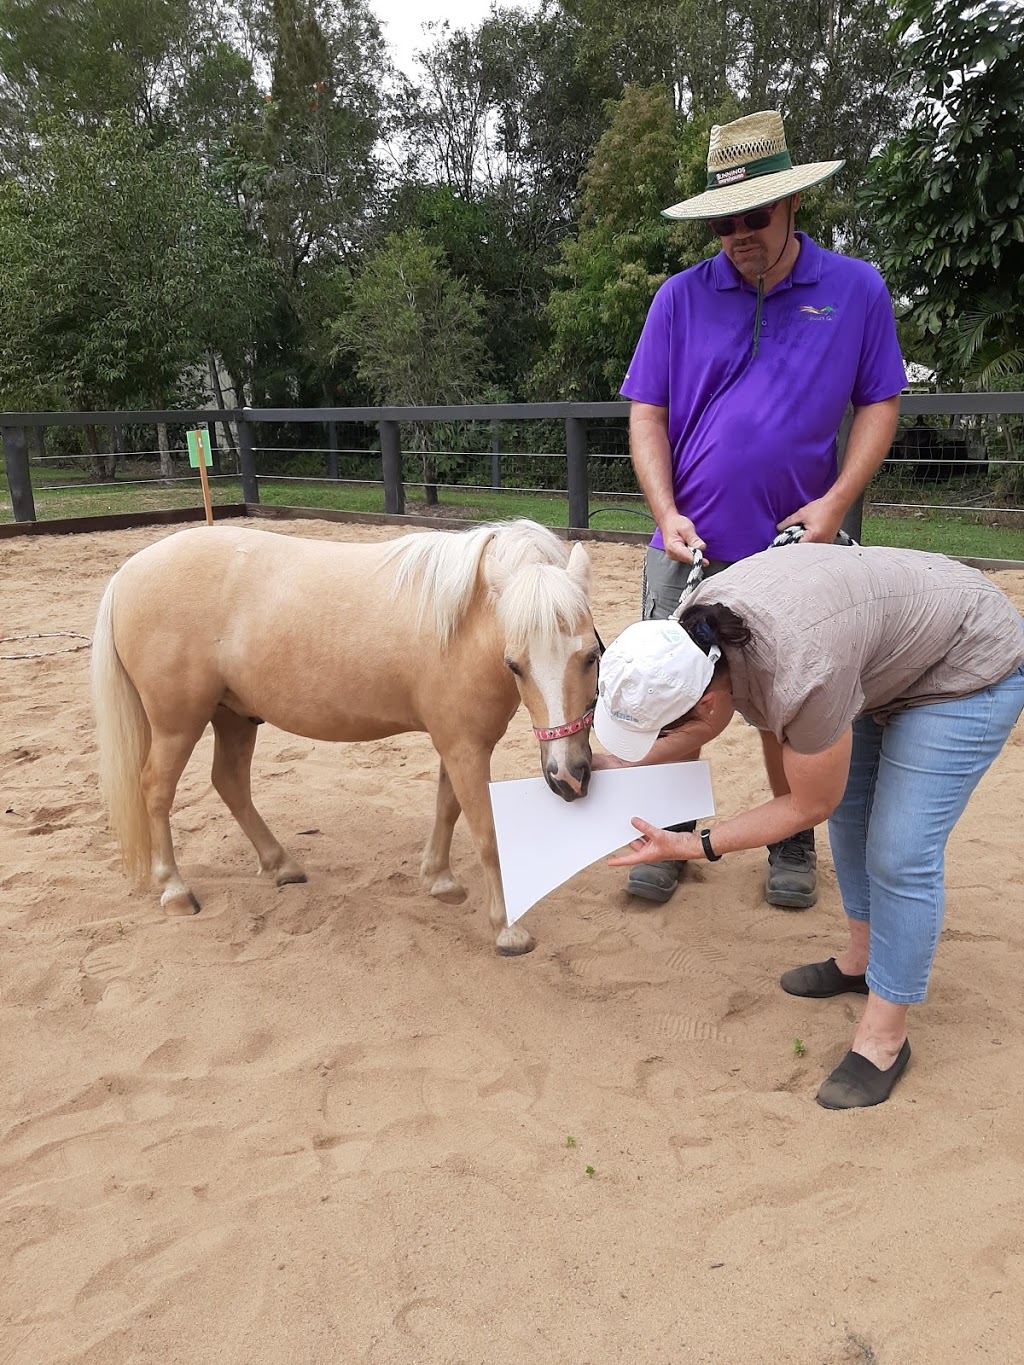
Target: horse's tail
(123, 735)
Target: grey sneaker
(654, 881)
(792, 879)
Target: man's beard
(752, 263)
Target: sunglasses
(754, 221)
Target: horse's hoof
(514, 942)
(290, 876)
(181, 905)
(448, 890)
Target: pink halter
(573, 727)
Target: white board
(543, 840)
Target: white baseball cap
(650, 676)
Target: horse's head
(552, 651)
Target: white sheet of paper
(543, 840)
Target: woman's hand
(657, 846)
(602, 762)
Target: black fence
(961, 452)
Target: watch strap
(705, 843)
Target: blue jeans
(910, 781)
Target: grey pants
(664, 580)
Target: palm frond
(1006, 366)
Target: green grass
(971, 534)
(110, 499)
(945, 533)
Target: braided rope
(790, 536)
(47, 635)
(693, 581)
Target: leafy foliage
(625, 250)
(948, 195)
(415, 331)
(122, 267)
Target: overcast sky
(402, 20)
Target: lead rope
(693, 581)
(790, 536)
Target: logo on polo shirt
(825, 314)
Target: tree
(86, 61)
(122, 268)
(625, 250)
(415, 333)
(948, 194)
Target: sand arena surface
(327, 1125)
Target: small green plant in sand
(591, 1171)
(798, 1048)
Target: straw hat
(749, 165)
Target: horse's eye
(513, 667)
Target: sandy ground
(328, 1124)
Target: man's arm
(869, 442)
(651, 452)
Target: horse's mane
(436, 571)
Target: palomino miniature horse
(436, 632)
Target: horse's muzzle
(570, 783)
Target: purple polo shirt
(754, 437)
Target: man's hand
(820, 519)
(681, 538)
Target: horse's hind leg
(233, 745)
(165, 762)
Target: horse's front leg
(436, 867)
(469, 770)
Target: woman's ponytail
(709, 624)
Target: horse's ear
(579, 567)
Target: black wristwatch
(705, 843)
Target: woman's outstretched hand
(653, 845)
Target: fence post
(19, 478)
(577, 482)
(332, 451)
(853, 522)
(495, 453)
(247, 461)
(391, 467)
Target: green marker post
(200, 456)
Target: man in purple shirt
(741, 378)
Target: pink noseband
(564, 731)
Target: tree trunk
(218, 393)
(429, 487)
(102, 464)
(163, 445)
(429, 472)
